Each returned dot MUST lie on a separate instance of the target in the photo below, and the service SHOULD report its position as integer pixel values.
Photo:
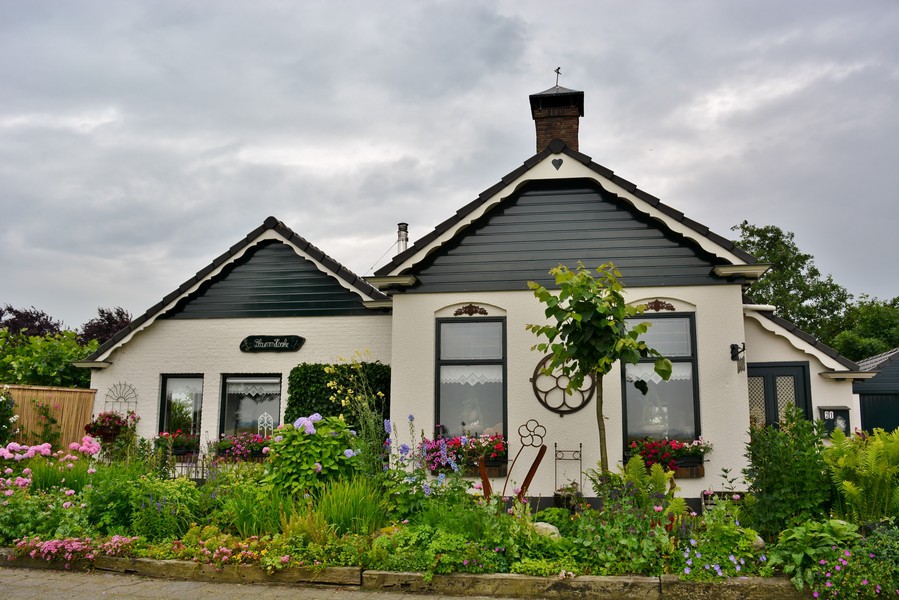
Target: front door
(772, 386)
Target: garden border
(498, 585)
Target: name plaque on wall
(272, 343)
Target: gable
(562, 221)
(269, 280)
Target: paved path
(40, 584)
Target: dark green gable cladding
(552, 222)
(269, 280)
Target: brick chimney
(557, 113)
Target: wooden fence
(71, 408)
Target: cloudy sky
(141, 139)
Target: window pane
(671, 337)
(472, 340)
(248, 403)
(182, 404)
(666, 411)
(471, 399)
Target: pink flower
(66, 504)
(8, 492)
(657, 508)
(70, 492)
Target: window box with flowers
(182, 443)
(240, 446)
(685, 458)
(447, 454)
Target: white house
(449, 315)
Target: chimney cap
(558, 97)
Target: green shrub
(864, 470)
(312, 451)
(308, 391)
(785, 474)
(110, 497)
(8, 416)
(867, 569)
(800, 549)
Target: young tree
(108, 322)
(589, 332)
(802, 295)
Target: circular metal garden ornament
(550, 390)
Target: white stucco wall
(766, 342)
(724, 412)
(211, 347)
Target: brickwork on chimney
(561, 123)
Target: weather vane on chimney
(558, 72)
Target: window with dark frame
(670, 409)
(471, 376)
(182, 403)
(250, 404)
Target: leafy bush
(785, 472)
(313, 450)
(309, 393)
(44, 360)
(864, 470)
(867, 569)
(800, 549)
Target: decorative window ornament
(470, 310)
(550, 390)
(659, 305)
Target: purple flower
(349, 453)
(411, 418)
(387, 426)
(404, 449)
(315, 417)
(318, 467)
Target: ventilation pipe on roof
(402, 237)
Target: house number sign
(272, 343)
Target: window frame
(224, 394)
(163, 405)
(440, 362)
(692, 359)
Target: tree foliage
(43, 360)
(108, 322)
(815, 302)
(872, 327)
(588, 332)
(802, 295)
(32, 320)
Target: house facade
(449, 314)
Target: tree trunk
(601, 422)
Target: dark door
(880, 410)
(773, 386)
